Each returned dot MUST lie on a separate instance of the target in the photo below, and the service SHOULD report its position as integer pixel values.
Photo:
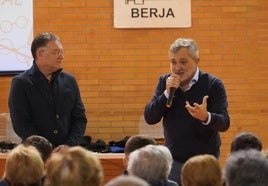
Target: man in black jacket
(46, 101)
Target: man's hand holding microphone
(172, 83)
(198, 111)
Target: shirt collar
(196, 75)
(194, 79)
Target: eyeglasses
(57, 52)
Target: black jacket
(52, 110)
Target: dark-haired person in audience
(135, 142)
(41, 144)
(44, 100)
(246, 140)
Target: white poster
(16, 34)
(152, 13)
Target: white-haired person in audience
(244, 141)
(151, 163)
(246, 168)
(135, 142)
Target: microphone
(171, 96)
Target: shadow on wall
(6, 130)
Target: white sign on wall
(16, 34)
(152, 13)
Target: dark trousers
(175, 173)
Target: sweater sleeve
(156, 108)
(217, 106)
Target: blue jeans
(175, 173)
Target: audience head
(129, 180)
(24, 166)
(138, 141)
(246, 140)
(135, 142)
(77, 166)
(41, 144)
(201, 170)
(151, 163)
(246, 168)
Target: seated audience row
(76, 166)
(33, 163)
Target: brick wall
(117, 69)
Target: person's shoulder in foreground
(3, 183)
(127, 180)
